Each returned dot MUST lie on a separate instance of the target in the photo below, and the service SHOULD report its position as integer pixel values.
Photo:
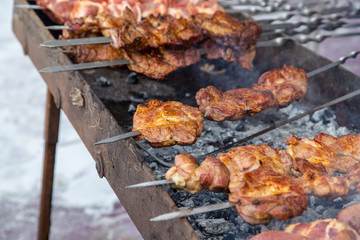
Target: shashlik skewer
(325, 187)
(331, 103)
(63, 11)
(345, 226)
(166, 123)
(165, 39)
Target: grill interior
(121, 92)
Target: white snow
(77, 187)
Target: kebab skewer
(219, 36)
(166, 123)
(317, 71)
(250, 185)
(345, 227)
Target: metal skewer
(151, 183)
(26, 6)
(82, 66)
(341, 60)
(214, 207)
(192, 211)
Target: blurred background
(84, 206)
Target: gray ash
(226, 224)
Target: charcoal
(132, 78)
(330, 213)
(214, 226)
(180, 196)
(102, 81)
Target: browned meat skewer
(345, 227)
(61, 11)
(224, 36)
(278, 235)
(275, 88)
(325, 229)
(257, 177)
(167, 123)
(261, 178)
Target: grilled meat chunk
(158, 63)
(351, 217)
(61, 11)
(243, 57)
(233, 104)
(318, 163)
(318, 182)
(274, 88)
(155, 63)
(348, 145)
(261, 195)
(325, 229)
(185, 165)
(229, 31)
(212, 174)
(317, 153)
(167, 123)
(286, 84)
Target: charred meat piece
(286, 84)
(325, 229)
(233, 104)
(243, 57)
(351, 217)
(167, 123)
(157, 63)
(228, 31)
(275, 88)
(261, 195)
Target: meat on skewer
(236, 44)
(275, 88)
(61, 11)
(257, 177)
(325, 229)
(346, 226)
(167, 123)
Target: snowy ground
(84, 206)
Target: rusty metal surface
(98, 112)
